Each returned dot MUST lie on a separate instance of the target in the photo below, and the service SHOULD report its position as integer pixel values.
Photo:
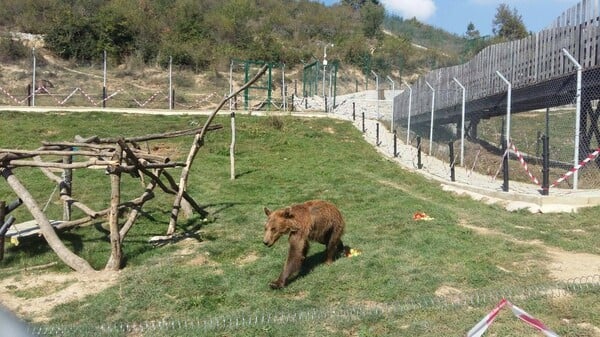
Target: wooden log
(8, 154)
(68, 257)
(134, 168)
(66, 187)
(135, 211)
(196, 145)
(77, 222)
(135, 203)
(171, 134)
(47, 172)
(2, 214)
(92, 163)
(79, 145)
(186, 196)
(114, 262)
(76, 165)
(67, 199)
(139, 166)
(151, 157)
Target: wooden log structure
(116, 156)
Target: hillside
(206, 35)
(205, 41)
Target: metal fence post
(506, 144)
(545, 164)
(395, 144)
(577, 115)
(376, 91)
(409, 108)
(104, 81)
(171, 82)
(33, 78)
(419, 164)
(393, 95)
(462, 122)
(432, 111)
(451, 151)
(363, 122)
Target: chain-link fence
(231, 324)
(570, 124)
(44, 81)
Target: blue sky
(455, 15)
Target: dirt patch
(54, 289)
(329, 130)
(564, 265)
(451, 294)
(247, 259)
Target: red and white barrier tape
(141, 105)
(524, 164)
(481, 327)
(9, 95)
(499, 168)
(577, 167)
(474, 162)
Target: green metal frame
(268, 87)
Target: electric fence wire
(338, 313)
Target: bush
(12, 50)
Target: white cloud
(421, 9)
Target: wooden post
(66, 188)
(232, 147)
(114, 262)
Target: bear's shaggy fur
(314, 220)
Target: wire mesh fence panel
(545, 86)
(230, 324)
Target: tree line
(207, 34)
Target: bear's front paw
(277, 284)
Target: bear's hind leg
(334, 246)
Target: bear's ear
(267, 211)
(288, 213)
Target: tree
(472, 33)
(372, 18)
(508, 24)
(358, 4)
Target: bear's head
(279, 222)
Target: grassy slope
(286, 160)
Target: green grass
(283, 160)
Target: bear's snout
(267, 243)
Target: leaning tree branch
(198, 142)
(71, 259)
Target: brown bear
(314, 220)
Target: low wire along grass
(412, 278)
